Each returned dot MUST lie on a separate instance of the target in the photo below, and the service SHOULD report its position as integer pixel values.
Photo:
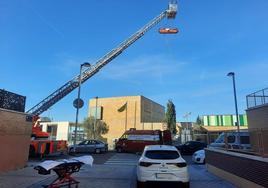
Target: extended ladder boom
(74, 83)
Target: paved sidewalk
(118, 171)
(200, 177)
(21, 178)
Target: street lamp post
(95, 121)
(186, 116)
(86, 64)
(232, 74)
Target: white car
(162, 163)
(199, 157)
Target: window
(99, 142)
(231, 139)
(124, 137)
(91, 142)
(220, 139)
(96, 111)
(83, 143)
(52, 130)
(244, 140)
(144, 137)
(162, 154)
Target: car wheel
(204, 161)
(140, 184)
(98, 150)
(186, 185)
(119, 150)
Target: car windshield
(162, 154)
(220, 139)
(83, 142)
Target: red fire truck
(135, 140)
(41, 145)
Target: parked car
(87, 146)
(161, 163)
(199, 157)
(232, 141)
(191, 146)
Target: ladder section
(89, 72)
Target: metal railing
(257, 98)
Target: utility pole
(186, 116)
(95, 122)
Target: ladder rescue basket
(168, 30)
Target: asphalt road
(117, 170)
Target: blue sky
(42, 44)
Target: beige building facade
(123, 113)
(257, 114)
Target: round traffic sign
(78, 103)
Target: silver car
(89, 146)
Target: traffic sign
(78, 103)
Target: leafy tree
(199, 120)
(170, 117)
(100, 129)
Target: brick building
(15, 131)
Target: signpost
(78, 103)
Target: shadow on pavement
(163, 185)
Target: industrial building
(123, 113)
(224, 120)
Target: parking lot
(113, 170)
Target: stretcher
(64, 170)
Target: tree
(170, 117)
(100, 129)
(199, 120)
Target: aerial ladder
(68, 87)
